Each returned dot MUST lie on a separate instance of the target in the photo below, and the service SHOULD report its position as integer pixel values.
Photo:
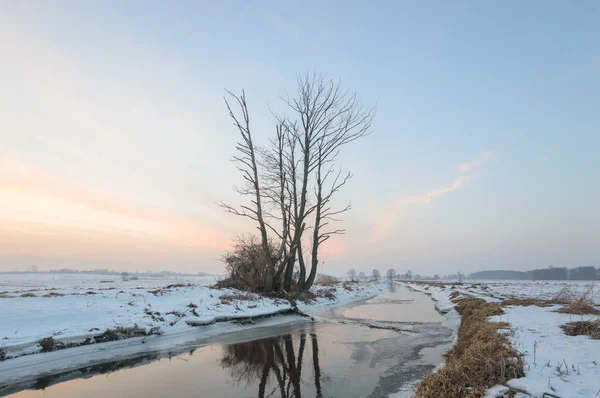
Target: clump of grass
(28, 295)
(2, 355)
(581, 305)
(120, 333)
(566, 295)
(583, 328)
(526, 302)
(304, 297)
(48, 344)
(454, 295)
(482, 357)
(229, 298)
(326, 280)
(328, 293)
(53, 294)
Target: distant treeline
(585, 273)
(145, 274)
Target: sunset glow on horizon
(115, 143)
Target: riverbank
(57, 330)
(517, 344)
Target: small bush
(326, 280)
(246, 265)
(48, 344)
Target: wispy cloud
(483, 158)
(391, 212)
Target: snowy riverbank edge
(547, 351)
(69, 318)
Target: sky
(115, 142)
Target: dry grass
(229, 298)
(526, 302)
(53, 294)
(482, 357)
(326, 280)
(28, 295)
(579, 307)
(583, 328)
(328, 293)
(582, 304)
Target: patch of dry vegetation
(482, 357)
(229, 298)
(526, 302)
(328, 293)
(582, 305)
(326, 280)
(576, 303)
(583, 328)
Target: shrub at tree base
(246, 266)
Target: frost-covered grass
(555, 363)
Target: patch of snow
(555, 363)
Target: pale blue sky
(116, 110)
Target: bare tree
(304, 152)
(362, 276)
(329, 118)
(248, 166)
(376, 275)
(391, 274)
(408, 275)
(351, 274)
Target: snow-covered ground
(37, 283)
(556, 365)
(76, 311)
(544, 290)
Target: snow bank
(565, 366)
(73, 317)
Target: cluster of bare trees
(290, 184)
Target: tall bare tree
(329, 118)
(248, 166)
(323, 119)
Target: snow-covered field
(556, 365)
(73, 310)
(544, 290)
(17, 284)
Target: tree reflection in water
(274, 362)
(391, 287)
